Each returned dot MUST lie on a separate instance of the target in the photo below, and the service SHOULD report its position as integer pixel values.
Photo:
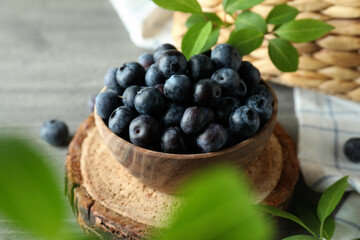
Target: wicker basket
(329, 65)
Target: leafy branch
(320, 225)
(249, 31)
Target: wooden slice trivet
(112, 204)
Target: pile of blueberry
(165, 103)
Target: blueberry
(225, 108)
(55, 132)
(209, 115)
(118, 92)
(264, 91)
(261, 106)
(129, 96)
(153, 76)
(150, 101)
(232, 139)
(160, 87)
(178, 88)
(173, 141)
(207, 53)
(225, 56)
(120, 119)
(193, 120)
(212, 138)
(200, 66)
(244, 122)
(131, 73)
(172, 115)
(207, 92)
(172, 62)
(146, 60)
(106, 102)
(110, 81)
(249, 74)
(352, 149)
(228, 79)
(240, 92)
(161, 49)
(144, 131)
(91, 102)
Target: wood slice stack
(112, 204)
(329, 65)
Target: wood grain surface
(53, 58)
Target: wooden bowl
(165, 172)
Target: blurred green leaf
(246, 40)
(283, 214)
(300, 237)
(29, 192)
(251, 20)
(217, 206)
(330, 199)
(188, 6)
(231, 6)
(284, 56)
(303, 30)
(195, 39)
(212, 40)
(281, 14)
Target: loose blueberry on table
(352, 149)
(202, 105)
(55, 132)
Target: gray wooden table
(53, 55)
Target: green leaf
(212, 40)
(218, 207)
(251, 20)
(30, 195)
(281, 14)
(246, 40)
(329, 227)
(188, 6)
(303, 30)
(283, 214)
(307, 213)
(214, 19)
(231, 6)
(195, 39)
(196, 18)
(284, 56)
(300, 237)
(331, 198)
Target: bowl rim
(197, 155)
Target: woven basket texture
(328, 65)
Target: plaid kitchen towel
(325, 124)
(148, 25)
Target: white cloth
(325, 124)
(147, 24)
